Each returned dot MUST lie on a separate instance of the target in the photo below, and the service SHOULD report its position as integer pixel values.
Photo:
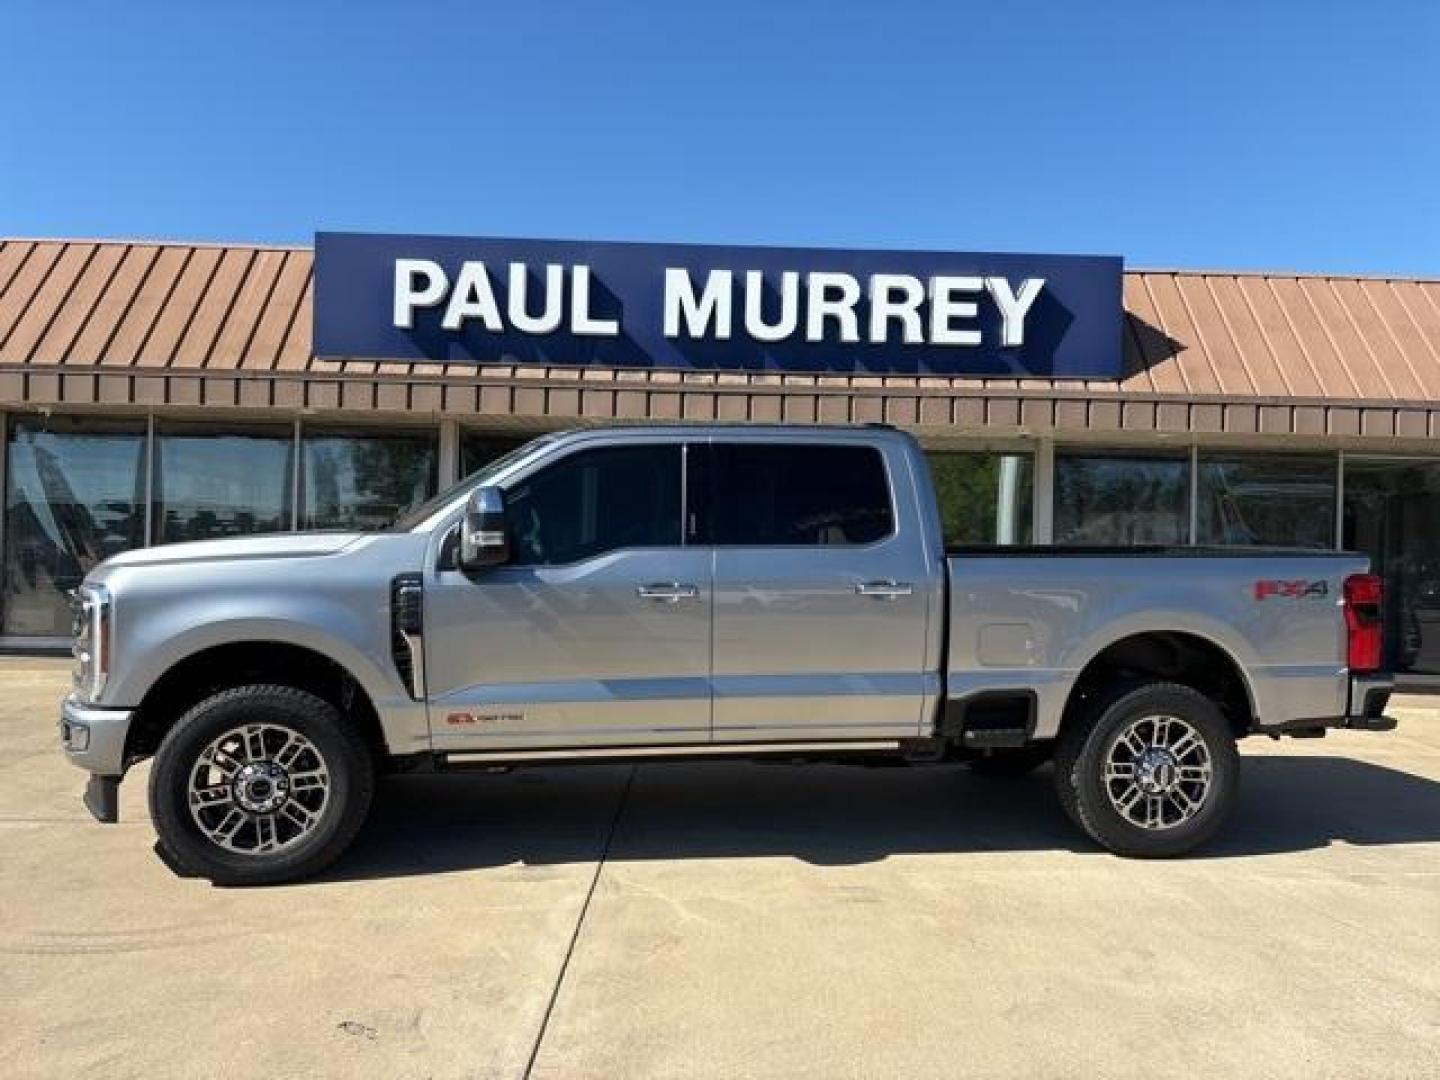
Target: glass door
(1392, 514)
(74, 495)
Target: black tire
(1080, 760)
(1012, 764)
(345, 759)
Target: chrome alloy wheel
(1157, 772)
(259, 788)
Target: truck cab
(670, 590)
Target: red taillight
(1363, 595)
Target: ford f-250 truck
(688, 591)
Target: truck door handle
(885, 590)
(669, 592)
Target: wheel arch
(209, 669)
(1187, 657)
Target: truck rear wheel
(1151, 772)
(259, 784)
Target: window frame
(319, 432)
(66, 424)
(165, 428)
(1028, 454)
(1221, 456)
(1184, 456)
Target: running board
(706, 750)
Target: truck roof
(699, 427)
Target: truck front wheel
(1152, 771)
(259, 784)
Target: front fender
(147, 650)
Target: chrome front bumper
(94, 739)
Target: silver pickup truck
(695, 591)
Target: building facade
(154, 393)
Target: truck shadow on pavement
(835, 814)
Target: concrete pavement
(737, 920)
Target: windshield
(413, 517)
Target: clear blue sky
(1286, 134)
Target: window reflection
(74, 496)
(596, 501)
(212, 484)
(984, 498)
(478, 449)
(1271, 499)
(1392, 514)
(359, 481)
(789, 494)
(1121, 500)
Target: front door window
(593, 502)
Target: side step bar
(995, 738)
(681, 751)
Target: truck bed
(1034, 618)
(1116, 551)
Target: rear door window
(797, 495)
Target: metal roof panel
(1202, 337)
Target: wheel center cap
(261, 787)
(1156, 771)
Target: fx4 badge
(1292, 590)
(471, 719)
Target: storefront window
(211, 483)
(479, 448)
(984, 498)
(74, 495)
(1270, 499)
(364, 481)
(1392, 514)
(1121, 499)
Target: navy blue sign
(456, 299)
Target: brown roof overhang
(87, 324)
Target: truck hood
(270, 546)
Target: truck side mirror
(484, 537)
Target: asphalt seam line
(580, 922)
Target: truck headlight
(92, 608)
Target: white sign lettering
(882, 309)
(419, 283)
(712, 306)
(784, 326)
